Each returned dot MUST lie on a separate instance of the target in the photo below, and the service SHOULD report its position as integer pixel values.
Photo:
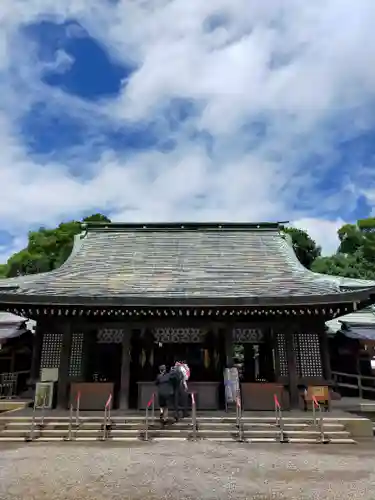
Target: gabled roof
(189, 262)
(363, 318)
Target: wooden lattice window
(51, 350)
(283, 359)
(110, 336)
(178, 335)
(307, 349)
(75, 362)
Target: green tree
(355, 256)
(47, 249)
(304, 246)
(3, 270)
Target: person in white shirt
(184, 370)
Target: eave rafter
(185, 312)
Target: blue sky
(171, 110)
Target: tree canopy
(305, 247)
(48, 249)
(355, 256)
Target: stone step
(153, 433)
(140, 418)
(57, 424)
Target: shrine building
(134, 296)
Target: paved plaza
(186, 470)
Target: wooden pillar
(292, 369)
(326, 360)
(125, 370)
(36, 353)
(88, 349)
(63, 380)
(229, 345)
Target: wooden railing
(11, 383)
(353, 381)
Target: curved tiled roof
(209, 261)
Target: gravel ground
(186, 470)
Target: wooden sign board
(321, 393)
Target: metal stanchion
(194, 417)
(320, 427)
(239, 417)
(43, 411)
(78, 403)
(69, 437)
(153, 409)
(30, 437)
(279, 420)
(107, 417)
(150, 404)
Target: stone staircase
(132, 428)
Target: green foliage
(3, 270)
(355, 256)
(47, 249)
(305, 247)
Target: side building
(134, 296)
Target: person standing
(184, 374)
(165, 391)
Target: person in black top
(165, 392)
(179, 392)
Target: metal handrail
(239, 422)
(70, 428)
(194, 416)
(279, 419)
(31, 435)
(359, 378)
(78, 403)
(107, 417)
(73, 416)
(43, 411)
(319, 423)
(151, 404)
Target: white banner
(232, 384)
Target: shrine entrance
(254, 355)
(203, 349)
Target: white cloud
(290, 65)
(324, 232)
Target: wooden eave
(364, 296)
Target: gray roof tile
(180, 263)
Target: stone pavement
(186, 470)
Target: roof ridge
(178, 226)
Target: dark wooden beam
(292, 368)
(63, 376)
(125, 370)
